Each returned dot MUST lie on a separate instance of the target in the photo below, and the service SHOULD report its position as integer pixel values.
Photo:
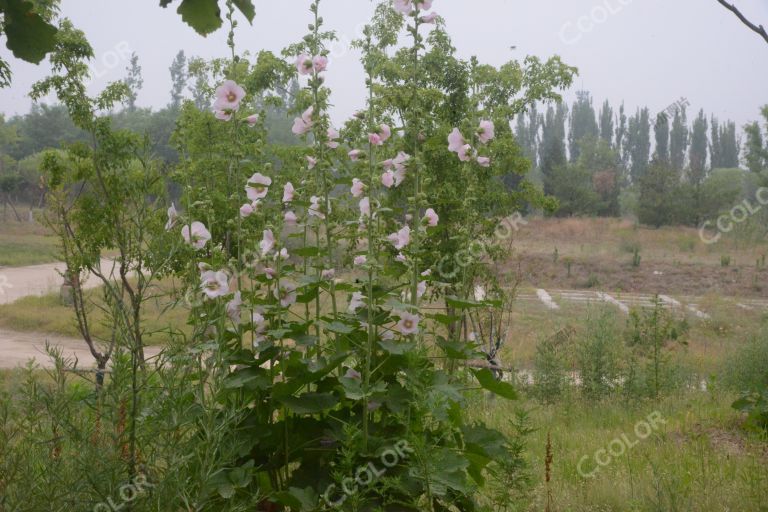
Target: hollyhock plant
(408, 324)
(246, 210)
(290, 218)
(304, 64)
(365, 207)
(356, 302)
(401, 238)
(456, 141)
(358, 187)
(328, 274)
(173, 215)
(320, 63)
(288, 192)
(258, 186)
(228, 96)
(466, 153)
(314, 208)
(429, 18)
(333, 137)
(286, 293)
(252, 120)
(196, 235)
(484, 161)
(431, 218)
(486, 132)
(356, 155)
(302, 125)
(360, 260)
(223, 115)
(215, 284)
(311, 162)
(267, 242)
(388, 179)
(404, 6)
(234, 307)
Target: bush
(550, 371)
(598, 352)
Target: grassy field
(24, 243)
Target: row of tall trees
(588, 156)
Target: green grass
(23, 243)
(699, 460)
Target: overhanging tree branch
(759, 29)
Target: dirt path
(16, 348)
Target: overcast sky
(645, 52)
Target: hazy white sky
(645, 52)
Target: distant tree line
(24, 137)
(661, 167)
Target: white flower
(365, 207)
(408, 324)
(172, 216)
(233, 307)
(314, 208)
(196, 235)
(286, 293)
(258, 186)
(356, 302)
(267, 242)
(215, 284)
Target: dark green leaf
(30, 37)
(246, 7)
(488, 381)
(309, 403)
(202, 15)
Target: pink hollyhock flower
(267, 242)
(388, 179)
(388, 164)
(429, 19)
(228, 96)
(385, 132)
(466, 153)
(288, 192)
(424, 5)
(365, 207)
(353, 374)
(431, 217)
(333, 137)
(286, 293)
(328, 274)
(223, 115)
(400, 239)
(252, 120)
(196, 235)
(284, 254)
(320, 63)
(399, 176)
(427, 273)
(259, 323)
(246, 210)
(215, 284)
(303, 124)
(355, 155)
(484, 161)
(456, 141)
(290, 218)
(387, 335)
(269, 273)
(360, 260)
(408, 324)
(400, 161)
(400, 258)
(311, 162)
(304, 64)
(314, 208)
(357, 187)
(404, 6)
(258, 186)
(356, 302)
(486, 132)
(421, 289)
(375, 139)
(172, 216)
(234, 308)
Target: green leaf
(246, 7)
(309, 403)
(252, 378)
(463, 303)
(396, 348)
(30, 37)
(202, 15)
(337, 327)
(488, 381)
(306, 252)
